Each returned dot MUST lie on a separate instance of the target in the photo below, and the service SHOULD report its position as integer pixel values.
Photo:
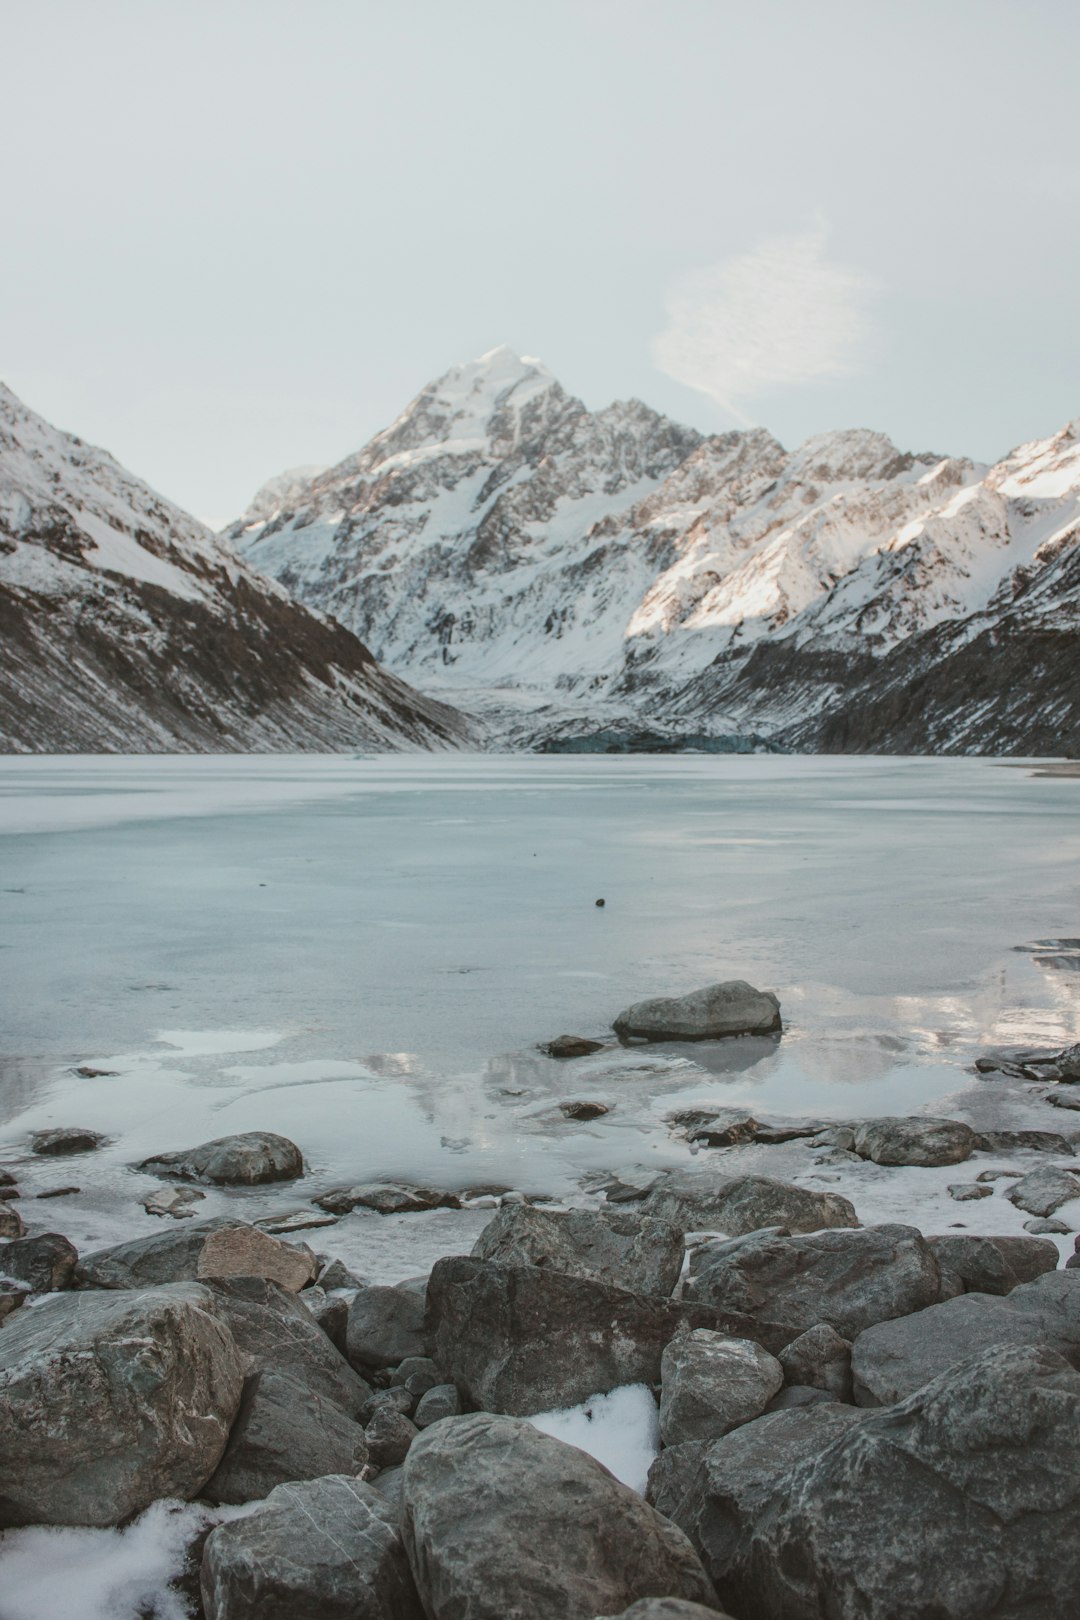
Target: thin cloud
(777, 317)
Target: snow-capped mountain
(572, 570)
(126, 625)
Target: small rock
(386, 1198)
(58, 1192)
(85, 1072)
(1046, 1224)
(247, 1159)
(710, 1383)
(386, 1325)
(296, 1220)
(600, 902)
(820, 1359)
(997, 1175)
(441, 1402)
(331, 1311)
(584, 1109)
(335, 1274)
(572, 1046)
(174, 1201)
(11, 1222)
(708, 1200)
(1064, 1099)
(10, 1299)
(1042, 1191)
(417, 1374)
(914, 1141)
(65, 1139)
(389, 1436)
(716, 1127)
(395, 1399)
(717, 1011)
(7, 1193)
(43, 1264)
(1012, 1141)
(965, 1191)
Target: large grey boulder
(668, 1609)
(43, 1264)
(990, 1265)
(819, 1359)
(916, 1140)
(325, 1548)
(221, 1247)
(616, 1246)
(109, 1401)
(525, 1339)
(710, 1014)
(1043, 1191)
(894, 1359)
(276, 1333)
(502, 1521)
(847, 1279)
(960, 1503)
(711, 1382)
(247, 1159)
(386, 1324)
(706, 1200)
(284, 1432)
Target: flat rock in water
(284, 1432)
(387, 1324)
(296, 1220)
(713, 1013)
(572, 1046)
(622, 1247)
(110, 1401)
(1013, 1141)
(276, 1333)
(220, 1247)
(990, 1265)
(960, 1503)
(43, 1264)
(711, 1382)
(968, 1192)
(707, 1200)
(1047, 1224)
(387, 1198)
(846, 1279)
(65, 1139)
(891, 1361)
(500, 1520)
(325, 1548)
(178, 1202)
(1043, 1191)
(525, 1339)
(914, 1141)
(248, 1159)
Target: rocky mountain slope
(126, 625)
(588, 575)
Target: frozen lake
(365, 953)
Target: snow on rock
(621, 1430)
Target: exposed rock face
(891, 1361)
(44, 1264)
(386, 1325)
(914, 1141)
(710, 1383)
(128, 627)
(221, 1247)
(501, 1520)
(961, 1502)
(717, 1011)
(277, 1334)
(990, 1265)
(284, 1432)
(526, 1339)
(109, 1401)
(324, 1547)
(621, 1247)
(846, 1279)
(244, 1160)
(709, 1201)
(244, 1251)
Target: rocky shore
(846, 1420)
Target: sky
(239, 236)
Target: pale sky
(239, 235)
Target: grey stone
(793, 1396)
(65, 1139)
(1043, 1191)
(282, 1432)
(296, 1220)
(960, 1503)
(389, 1436)
(710, 1383)
(501, 1520)
(707, 1200)
(891, 1361)
(572, 1046)
(250, 1158)
(417, 1374)
(386, 1325)
(622, 1247)
(991, 1265)
(668, 1609)
(1011, 1141)
(276, 1333)
(6, 1179)
(44, 1264)
(109, 1401)
(331, 1311)
(178, 1202)
(395, 1399)
(716, 1127)
(525, 1339)
(11, 1297)
(441, 1402)
(221, 1247)
(336, 1274)
(390, 1485)
(966, 1192)
(999, 1175)
(11, 1222)
(387, 1198)
(584, 1109)
(916, 1140)
(325, 1548)
(847, 1279)
(819, 1359)
(1046, 1223)
(718, 1010)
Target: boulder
(715, 1127)
(1012, 1141)
(277, 1334)
(709, 1201)
(501, 1520)
(244, 1251)
(710, 1383)
(990, 1265)
(387, 1198)
(11, 1297)
(718, 1010)
(331, 1311)
(336, 1274)
(386, 1324)
(322, 1547)
(915, 1141)
(109, 1401)
(960, 1503)
(222, 1247)
(572, 1046)
(847, 1279)
(819, 1359)
(394, 1399)
(524, 1339)
(65, 1139)
(245, 1160)
(668, 1609)
(389, 1435)
(284, 1432)
(1047, 1224)
(417, 1374)
(43, 1264)
(441, 1402)
(11, 1222)
(1043, 1191)
(891, 1361)
(617, 1246)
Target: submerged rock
(717, 1011)
(441, 1402)
(389, 1435)
(583, 1109)
(248, 1159)
(622, 1247)
(65, 1139)
(108, 1402)
(500, 1520)
(711, 1382)
(572, 1046)
(708, 1200)
(175, 1201)
(914, 1141)
(387, 1198)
